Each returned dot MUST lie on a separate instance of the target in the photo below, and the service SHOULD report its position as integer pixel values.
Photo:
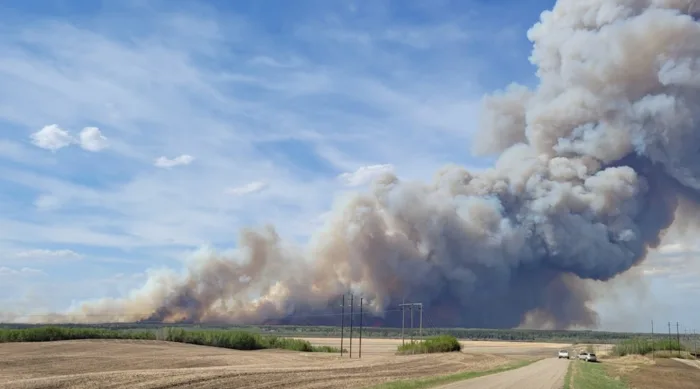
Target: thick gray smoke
(592, 164)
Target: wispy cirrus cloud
(48, 254)
(180, 160)
(249, 188)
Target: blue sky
(162, 126)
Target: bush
(644, 346)
(435, 344)
(233, 339)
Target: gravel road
(545, 374)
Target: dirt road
(545, 374)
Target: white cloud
(47, 202)
(48, 254)
(91, 139)
(52, 137)
(182, 160)
(249, 188)
(6, 271)
(365, 174)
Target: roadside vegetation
(232, 339)
(434, 344)
(661, 348)
(567, 377)
(593, 376)
(432, 382)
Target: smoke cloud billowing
(592, 165)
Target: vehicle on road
(588, 357)
(563, 354)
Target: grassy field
(232, 339)
(586, 375)
(447, 379)
(661, 348)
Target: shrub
(50, 333)
(435, 344)
(644, 346)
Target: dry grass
(155, 364)
(642, 372)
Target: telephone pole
(342, 325)
(411, 310)
(410, 307)
(403, 321)
(351, 305)
(652, 341)
(678, 337)
(669, 337)
(420, 333)
(361, 299)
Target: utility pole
(652, 340)
(411, 306)
(411, 310)
(403, 321)
(361, 299)
(342, 326)
(678, 337)
(695, 342)
(421, 320)
(669, 338)
(351, 305)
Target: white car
(563, 354)
(588, 357)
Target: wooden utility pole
(360, 352)
(420, 307)
(678, 339)
(403, 321)
(351, 304)
(652, 340)
(342, 325)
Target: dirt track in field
(153, 364)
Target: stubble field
(156, 364)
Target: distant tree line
(564, 336)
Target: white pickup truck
(563, 354)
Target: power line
(411, 306)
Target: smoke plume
(592, 164)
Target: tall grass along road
(594, 376)
(545, 374)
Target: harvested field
(373, 346)
(645, 373)
(154, 364)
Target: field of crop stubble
(157, 364)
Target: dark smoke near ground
(592, 165)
